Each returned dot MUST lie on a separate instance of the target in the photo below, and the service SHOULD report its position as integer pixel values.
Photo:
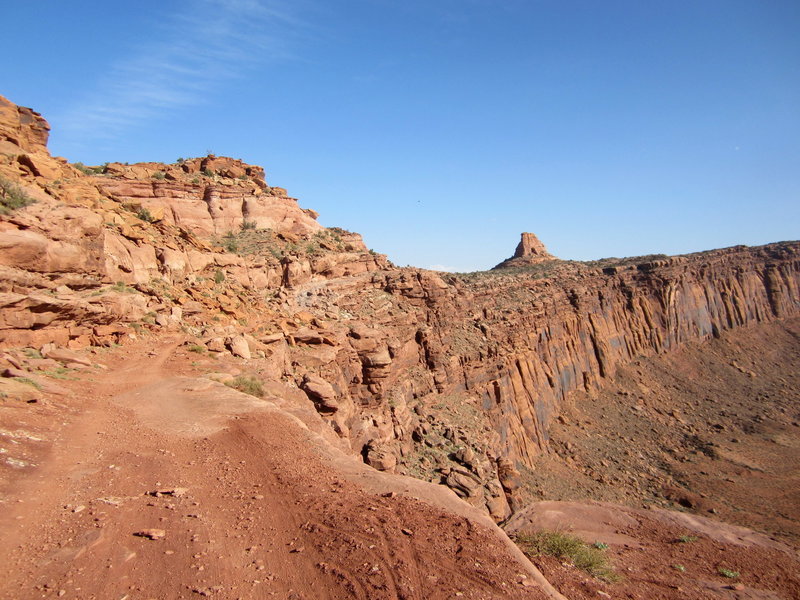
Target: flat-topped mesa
(530, 251)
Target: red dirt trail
(248, 504)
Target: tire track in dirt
(260, 515)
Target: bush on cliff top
(12, 197)
(247, 385)
(564, 546)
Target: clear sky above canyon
(441, 129)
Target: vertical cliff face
(579, 331)
(505, 350)
(453, 378)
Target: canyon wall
(454, 378)
(483, 363)
(100, 248)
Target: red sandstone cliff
(498, 354)
(102, 247)
(451, 378)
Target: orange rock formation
(451, 378)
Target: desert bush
(728, 573)
(568, 547)
(159, 175)
(83, 168)
(247, 385)
(145, 215)
(230, 243)
(122, 288)
(100, 170)
(12, 197)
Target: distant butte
(530, 251)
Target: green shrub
(12, 197)
(159, 175)
(568, 547)
(229, 243)
(219, 276)
(248, 225)
(100, 170)
(59, 373)
(83, 168)
(197, 348)
(687, 539)
(145, 215)
(29, 381)
(247, 385)
(728, 573)
(122, 288)
(208, 172)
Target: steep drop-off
(455, 378)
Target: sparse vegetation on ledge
(590, 558)
(99, 170)
(247, 385)
(12, 197)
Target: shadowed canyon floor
(713, 428)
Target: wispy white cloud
(442, 268)
(194, 53)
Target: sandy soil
(143, 479)
(663, 555)
(239, 499)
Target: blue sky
(441, 129)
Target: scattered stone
(321, 393)
(239, 347)
(175, 492)
(151, 534)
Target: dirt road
(139, 481)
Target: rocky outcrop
(207, 196)
(206, 233)
(530, 251)
(451, 378)
(485, 363)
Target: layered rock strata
(484, 365)
(530, 251)
(450, 378)
(101, 248)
